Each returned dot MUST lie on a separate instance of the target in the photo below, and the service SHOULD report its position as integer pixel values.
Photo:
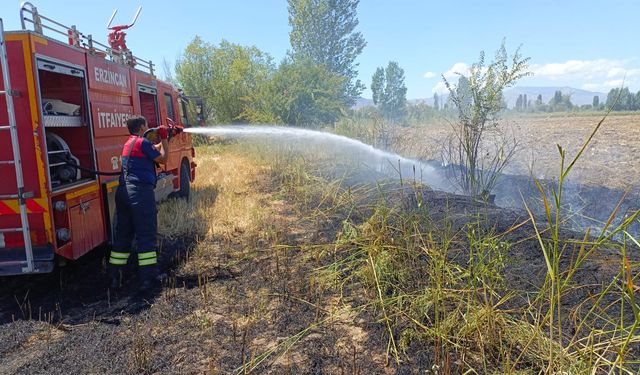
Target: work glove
(163, 132)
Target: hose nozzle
(175, 130)
(152, 133)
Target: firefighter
(136, 212)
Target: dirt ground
(240, 294)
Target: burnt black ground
(70, 316)
(78, 291)
(585, 205)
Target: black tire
(185, 181)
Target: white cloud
(600, 74)
(596, 75)
(451, 75)
(429, 75)
(604, 86)
(440, 88)
(615, 72)
(633, 73)
(456, 70)
(593, 87)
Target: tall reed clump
(438, 284)
(606, 336)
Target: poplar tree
(389, 92)
(324, 32)
(519, 103)
(377, 86)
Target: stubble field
(611, 160)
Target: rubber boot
(148, 279)
(115, 277)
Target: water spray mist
(371, 157)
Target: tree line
(618, 99)
(314, 85)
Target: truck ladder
(21, 196)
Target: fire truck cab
(63, 112)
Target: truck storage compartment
(65, 117)
(86, 221)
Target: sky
(587, 44)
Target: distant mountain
(363, 102)
(427, 101)
(578, 96)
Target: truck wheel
(185, 181)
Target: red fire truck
(63, 111)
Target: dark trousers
(136, 217)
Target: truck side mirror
(200, 112)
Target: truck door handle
(49, 66)
(85, 206)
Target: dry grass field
(612, 159)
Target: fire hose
(151, 134)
